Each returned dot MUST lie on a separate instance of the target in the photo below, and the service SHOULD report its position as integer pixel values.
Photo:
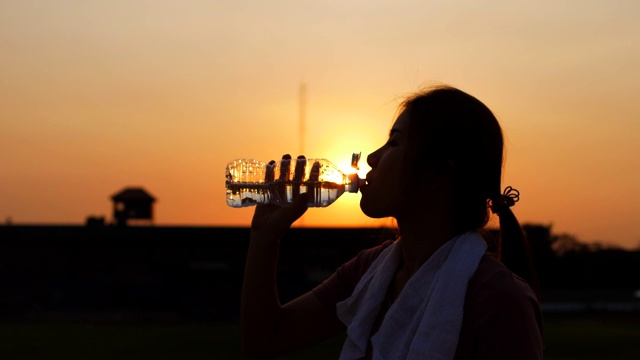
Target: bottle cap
(355, 158)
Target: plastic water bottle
(250, 182)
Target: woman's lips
(364, 185)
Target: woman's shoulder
(366, 257)
(341, 283)
(353, 270)
(493, 285)
(502, 316)
(493, 275)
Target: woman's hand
(274, 220)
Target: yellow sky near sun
(98, 95)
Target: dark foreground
(173, 293)
(566, 337)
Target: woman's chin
(372, 211)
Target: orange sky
(98, 95)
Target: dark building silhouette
(132, 203)
(95, 221)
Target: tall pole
(302, 93)
(302, 116)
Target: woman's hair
(457, 133)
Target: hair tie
(509, 197)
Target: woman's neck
(421, 239)
(424, 229)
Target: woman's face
(385, 193)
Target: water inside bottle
(244, 194)
(321, 194)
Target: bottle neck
(353, 183)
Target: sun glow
(347, 169)
(343, 145)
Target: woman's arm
(268, 328)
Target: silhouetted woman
(435, 292)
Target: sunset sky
(99, 95)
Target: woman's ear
(437, 177)
(444, 168)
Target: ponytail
(514, 249)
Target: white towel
(424, 321)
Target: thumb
(298, 207)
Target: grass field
(575, 337)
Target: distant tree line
(562, 261)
